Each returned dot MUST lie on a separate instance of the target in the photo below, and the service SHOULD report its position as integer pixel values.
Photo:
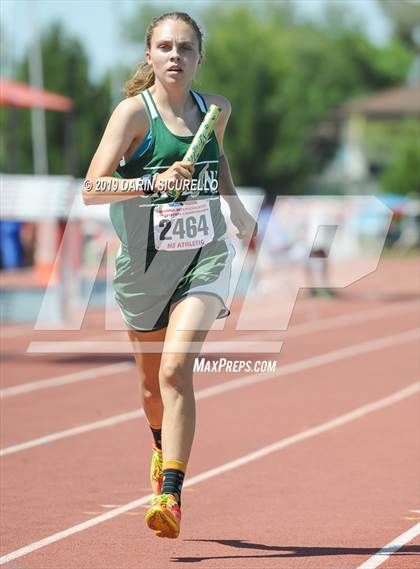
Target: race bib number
(182, 225)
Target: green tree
(283, 76)
(404, 16)
(66, 71)
(401, 176)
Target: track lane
(330, 469)
(76, 404)
(31, 476)
(395, 281)
(127, 545)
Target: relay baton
(199, 141)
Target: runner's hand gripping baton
(199, 141)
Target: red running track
(284, 473)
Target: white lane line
(84, 375)
(47, 439)
(232, 465)
(329, 357)
(346, 319)
(319, 324)
(299, 329)
(393, 546)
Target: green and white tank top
(158, 222)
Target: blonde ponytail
(142, 79)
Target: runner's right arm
(127, 126)
(126, 129)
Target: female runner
(173, 267)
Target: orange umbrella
(13, 93)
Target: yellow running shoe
(164, 517)
(156, 471)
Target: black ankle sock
(172, 482)
(157, 436)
